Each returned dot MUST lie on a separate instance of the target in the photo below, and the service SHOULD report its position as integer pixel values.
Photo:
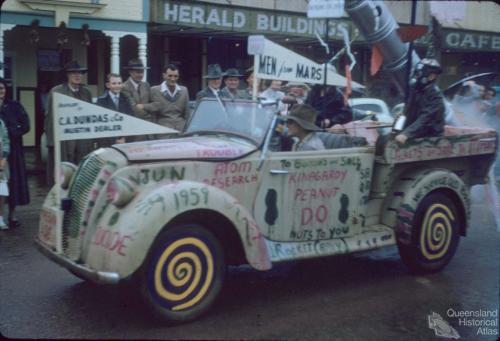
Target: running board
(371, 238)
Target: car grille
(79, 192)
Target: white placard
(448, 11)
(278, 62)
(325, 8)
(79, 120)
(255, 44)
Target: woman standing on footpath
(17, 122)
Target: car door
(314, 195)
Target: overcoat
(171, 112)
(17, 122)
(425, 112)
(72, 150)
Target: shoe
(14, 223)
(3, 226)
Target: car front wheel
(184, 273)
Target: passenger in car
(300, 123)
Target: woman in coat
(17, 122)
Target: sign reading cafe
(230, 18)
(468, 40)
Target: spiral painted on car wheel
(185, 272)
(436, 233)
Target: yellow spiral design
(436, 232)
(179, 272)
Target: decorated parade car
(170, 215)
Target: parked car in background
(365, 107)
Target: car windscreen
(236, 117)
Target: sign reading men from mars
(273, 61)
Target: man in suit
(139, 94)
(114, 100)
(170, 100)
(232, 82)
(214, 77)
(73, 150)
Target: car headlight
(67, 171)
(120, 191)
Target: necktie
(139, 89)
(115, 100)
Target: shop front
(465, 53)
(38, 37)
(195, 34)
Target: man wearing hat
(232, 81)
(300, 123)
(214, 77)
(139, 93)
(74, 150)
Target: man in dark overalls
(425, 108)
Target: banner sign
(325, 8)
(248, 20)
(79, 120)
(273, 61)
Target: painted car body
(124, 208)
(283, 205)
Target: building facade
(37, 37)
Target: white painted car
(170, 215)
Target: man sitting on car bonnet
(425, 108)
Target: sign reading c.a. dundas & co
(471, 41)
(254, 21)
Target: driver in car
(301, 124)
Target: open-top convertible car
(171, 214)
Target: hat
(432, 65)
(232, 73)
(297, 85)
(135, 64)
(304, 115)
(73, 66)
(214, 72)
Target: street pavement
(368, 296)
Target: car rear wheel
(184, 273)
(435, 235)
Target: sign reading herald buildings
(248, 20)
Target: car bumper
(101, 277)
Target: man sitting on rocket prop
(425, 109)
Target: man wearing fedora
(139, 94)
(232, 81)
(214, 77)
(171, 100)
(73, 150)
(301, 124)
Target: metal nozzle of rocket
(379, 28)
